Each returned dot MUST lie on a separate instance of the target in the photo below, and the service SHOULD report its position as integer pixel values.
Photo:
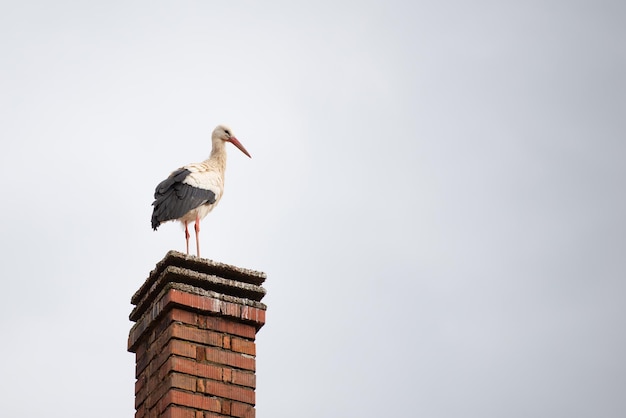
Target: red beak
(236, 143)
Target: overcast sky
(437, 194)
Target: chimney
(195, 326)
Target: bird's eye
(227, 132)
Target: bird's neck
(218, 155)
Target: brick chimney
(195, 326)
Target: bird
(192, 191)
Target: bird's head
(224, 133)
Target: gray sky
(436, 194)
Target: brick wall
(194, 339)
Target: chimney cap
(222, 280)
(200, 265)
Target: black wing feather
(173, 198)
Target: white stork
(192, 191)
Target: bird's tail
(155, 222)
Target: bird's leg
(197, 228)
(187, 237)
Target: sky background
(437, 194)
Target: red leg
(197, 228)
(187, 237)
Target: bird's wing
(174, 197)
(204, 177)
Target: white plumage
(192, 191)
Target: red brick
(182, 348)
(141, 349)
(140, 383)
(250, 313)
(141, 397)
(153, 413)
(159, 391)
(202, 321)
(146, 389)
(230, 309)
(226, 407)
(227, 374)
(175, 297)
(191, 367)
(242, 410)
(136, 336)
(153, 351)
(200, 355)
(151, 336)
(140, 363)
(190, 400)
(160, 327)
(225, 390)
(172, 381)
(156, 350)
(152, 382)
(230, 327)
(203, 303)
(212, 415)
(151, 392)
(164, 339)
(202, 336)
(243, 378)
(238, 360)
(140, 412)
(180, 315)
(212, 305)
(178, 412)
(243, 346)
(182, 381)
(226, 342)
(174, 347)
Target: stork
(192, 191)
